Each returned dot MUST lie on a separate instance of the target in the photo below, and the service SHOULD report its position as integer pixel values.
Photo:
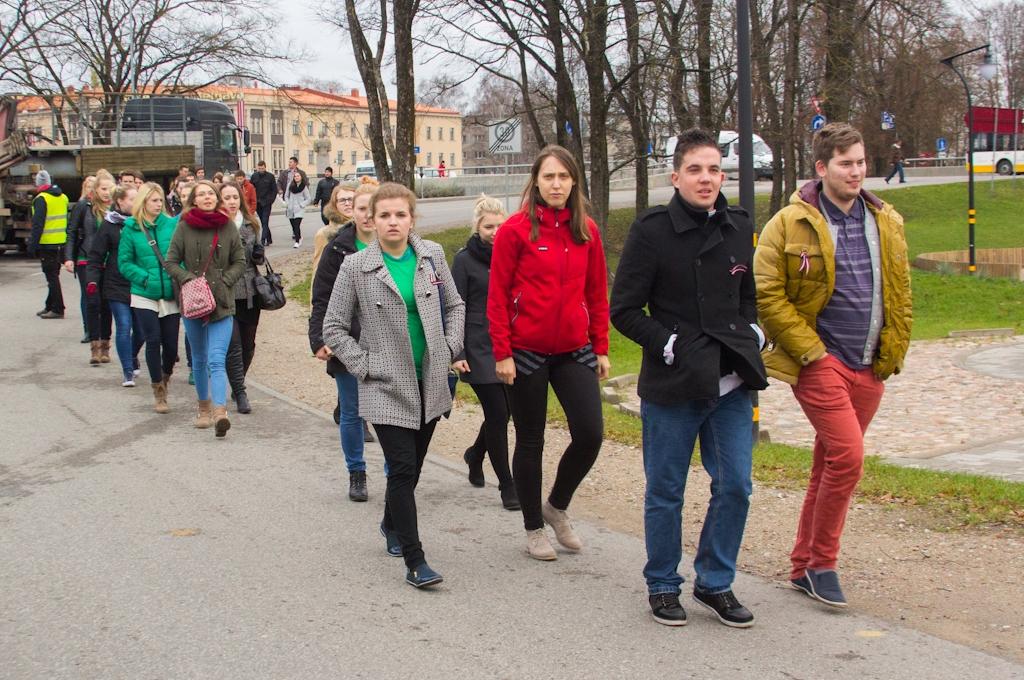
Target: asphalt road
(133, 546)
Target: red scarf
(201, 219)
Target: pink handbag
(197, 300)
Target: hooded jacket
(341, 246)
(137, 261)
(794, 267)
(103, 268)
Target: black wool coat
(471, 270)
(674, 279)
(103, 269)
(342, 245)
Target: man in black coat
(266, 194)
(323, 191)
(689, 264)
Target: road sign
(505, 136)
(941, 145)
(888, 121)
(416, 149)
(816, 103)
(818, 122)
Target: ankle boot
(204, 414)
(104, 351)
(94, 353)
(242, 402)
(160, 398)
(220, 420)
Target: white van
(729, 144)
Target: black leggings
(576, 388)
(243, 344)
(296, 228)
(161, 336)
(404, 451)
(493, 435)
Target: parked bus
(998, 140)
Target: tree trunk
(705, 105)
(369, 70)
(595, 42)
(405, 123)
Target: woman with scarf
(144, 241)
(75, 253)
(205, 238)
(103, 271)
(247, 308)
(338, 212)
(471, 270)
(296, 198)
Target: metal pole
(508, 186)
(995, 146)
(972, 266)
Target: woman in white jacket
(296, 198)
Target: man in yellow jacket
(49, 234)
(833, 297)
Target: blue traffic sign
(940, 144)
(415, 149)
(818, 122)
(888, 121)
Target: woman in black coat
(471, 270)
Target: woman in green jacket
(205, 237)
(152, 290)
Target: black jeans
(51, 262)
(404, 451)
(243, 344)
(296, 228)
(84, 301)
(576, 387)
(263, 211)
(493, 435)
(161, 336)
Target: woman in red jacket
(547, 307)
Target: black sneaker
(666, 610)
(726, 607)
(422, 577)
(391, 540)
(357, 486)
(476, 467)
(802, 584)
(824, 586)
(509, 497)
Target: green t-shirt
(360, 245)
(403, 273)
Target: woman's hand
(506, 370)
(604, 366)
(461, 366)
(324, 353)
(70, 266)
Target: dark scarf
(301, 186)
(480, 250)
(201, 219)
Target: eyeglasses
(344, 200)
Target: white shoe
(558, 520)
(295, 245)
(538, 546)
(128, 382)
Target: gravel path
(897, 562)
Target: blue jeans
(351, 425)
(726, 442)
(122, 314)
(209, 343)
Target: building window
(354, 158)
(451, 134)
(278, 155)
(295, 153)
(277, 123)
(323, 129)
(451, 160)
(337, 129)
(430, 158)
(440, 133)
(309, 128)
(340, 160)
(310, 156)
(295, 127)
(366, 155)
(352, 132)
(428, 132)
(257, 121)
(366, 130)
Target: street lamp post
(987, 71)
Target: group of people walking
(132, 259)
(822, 303)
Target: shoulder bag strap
(154, 246)
(440, 294)
(209, 258)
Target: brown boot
(105, 352)
(94, 353)
(204, 416)
(160, 397)
(220, 420)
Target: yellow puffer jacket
(789, 300)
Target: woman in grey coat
(296, 198)
(411, 319)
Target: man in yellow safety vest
(49, 232)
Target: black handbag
(269, 289)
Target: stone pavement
(137, 546)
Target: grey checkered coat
(382, 357)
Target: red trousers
(840, 403)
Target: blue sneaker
(422, 577)
(802, 584)
(824, 586)
(394, 547)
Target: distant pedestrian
(142, 250)
(547, 306)
(350, 237)
(897, 163)
(46, 241)
(266, 194)
(296, 200)
(248, 191)
(75, 254)
(286, 177)
(174, 203)
(471, 270)
(401, 292)
(200, 173)
(100, 318)
(207, 243)
(441, 168)
(323, 191)
(833, 294)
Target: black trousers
(51, 262)
(296, 223)
(84, 301)
(492, 438)
(404, 450)
(161, 336)
(577, 390)
(243, 344)
(263, 211)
